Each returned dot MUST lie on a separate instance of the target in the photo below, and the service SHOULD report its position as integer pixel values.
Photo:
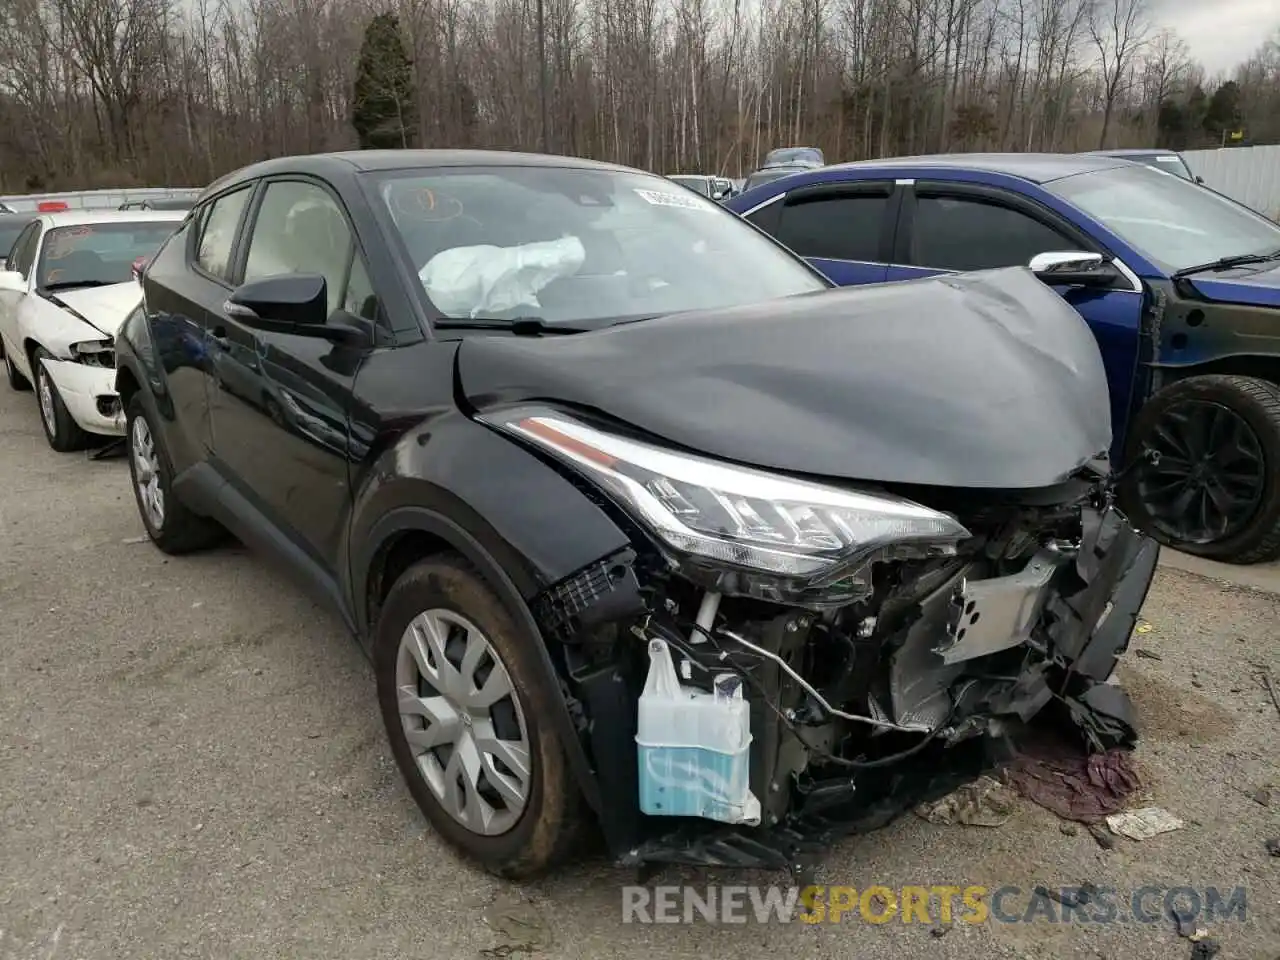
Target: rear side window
(951, 233)
(23, 255)
(217, 233)
(9, 232)
(834, 228)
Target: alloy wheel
(1210, 477)
(463, 721)
(146, 473)
(44, 389)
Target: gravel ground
(191, 765)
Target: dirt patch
(1168, 712)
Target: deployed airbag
(483, 280)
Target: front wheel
(466, 704)
(60, 428)
(1213, 489)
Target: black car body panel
(980, 398)
(756, 379)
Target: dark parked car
(770, 174)
(641, 524)
(1180, 285)
(794, 157)
(1170, 161)
(160, 203)
(783, 162)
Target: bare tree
(1119, 30)
(111, 92)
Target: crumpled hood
(1248, 285)
(106, 308)
(967, 380)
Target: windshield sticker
(1166, 159)
(64, 241)
(660, 198)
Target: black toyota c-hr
(644, 528)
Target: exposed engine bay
(902, 678)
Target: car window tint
(24, 251)
(359, 298)
(950, 233)
(218, 233)
(838, 228)
(300, 229)
(9, 233)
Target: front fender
(521, 524)
(483, 495)
(1194, 331)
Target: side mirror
(1074, 268)
(294, 303)
(13, 280)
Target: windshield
(576, 245)
(1168, 162)
(98, 253)
(698, 185)
(1171, 221)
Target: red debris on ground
(1061, 776)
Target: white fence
(96, 199)
(1250, 175)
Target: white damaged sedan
(66, 288)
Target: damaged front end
(778, 663)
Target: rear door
(187, 279)
(845, 230)
(950, 226)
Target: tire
(1247, 410)
(16, 380)
(173, 528)
(550, 824)
(60, 428)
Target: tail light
(139, 265)
(51, 206)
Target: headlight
(96, 353)
(737, 517)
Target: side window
(950, 233)
(218, 225)
(359, 298)
(300, 229)
(23, 256)
(835, 227)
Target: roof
(1036, 167)
(75, 218)
(372, 160)
(1135, 152)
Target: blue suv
(1179, 284)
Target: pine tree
(382, 110)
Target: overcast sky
(1220, 33)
